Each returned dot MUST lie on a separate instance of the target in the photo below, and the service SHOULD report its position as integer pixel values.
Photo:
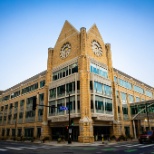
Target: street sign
(63, 108)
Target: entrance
(63, 132)
(101, 130)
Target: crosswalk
(117, 146)
(24, 147)
(134, 145)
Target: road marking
(3, 149)
(123, 145)
(108, 149)
(146, 146)
(130, 150)
(13, 148)
(134, 145)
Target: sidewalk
(96, 143)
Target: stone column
(45, 132)
(85, 123)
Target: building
(80, 75)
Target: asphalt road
(10, 147)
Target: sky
(29, 27)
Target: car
(147, 136)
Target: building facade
(79, 76)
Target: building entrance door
(63, 132)
(101, 130)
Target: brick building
(80, 74)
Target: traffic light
(34, 103)
(66, 127)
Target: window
(70, 87)
(99, 105)
(137, 99)
(98, 70)
(107, 90)
(20, 115)
(42, 83)
(61, 90)
(138, 89)
(73, 68)
(41, 98)
(148, 93)
(123, 97)
(52, 93)
(19, 132)
(78, 103)
(22, 103)
(125, 110)
(102, 89)
(131, 98)
(30, 88)
(125, 84)
(52, 109)
(60, 102)
(115, 79)
(108, 105)
(15, 94)
(72, 104)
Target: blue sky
(29, 27)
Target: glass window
(107, 90)
(125, 110)
(137, 99)
(115, 79)
(52, 93)
(99, 105)
(72, 104)
(98, 70)
(70, 87)
(108, 105)
(42, 83)
(131, 98)
(123, 97)
(138, 89)
(60, 103)
(148, 93)
(61, 90)
(52, 109)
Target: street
(11, 147)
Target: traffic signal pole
(69, 121)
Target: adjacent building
(81, 77)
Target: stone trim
(95, 77)
(65, 64)
(92, 60)
(65, 80)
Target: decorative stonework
(65, 50)
(96, 47)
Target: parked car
(147, 136)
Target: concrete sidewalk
(96, 143)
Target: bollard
(102, 139)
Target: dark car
(147, 136)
